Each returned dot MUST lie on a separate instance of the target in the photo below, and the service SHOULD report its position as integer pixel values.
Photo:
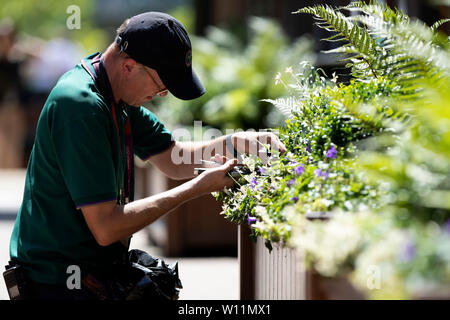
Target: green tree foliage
(237, 76)
(47, 19)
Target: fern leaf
(284, 105)
(437, 24)
(348, 48)
(380, 41)
(335, 21)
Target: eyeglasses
(160, 93)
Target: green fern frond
(362, 45)
(383, 42)
(410, 40)
(437, 24)
(379, 10)
(285, 105)
(407, 45)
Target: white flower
(329, 243)
(334, 77)
(278, 78)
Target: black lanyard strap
(124, 188)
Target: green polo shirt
(75, 161)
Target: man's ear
(129, 66)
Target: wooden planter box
(194, 228)
(282, 275)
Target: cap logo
(125, 46)
(188, 59)
(122, 46)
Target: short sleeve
(85, 158)
(150, 136)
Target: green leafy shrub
(407, 236)
(48, 20)
(374, 153)
(317, 173)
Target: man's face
(141, 84)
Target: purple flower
(251, 220)
(290, 182)
(300, 169)
(318, 172)
(321, 173)
(332, 153)
(295, 199)
(308, 148)
(446, 227)
(408, 252)
(262, 170)
(253, 183)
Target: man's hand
(179, 161)
(215, 179)
(110, 222)
(256, 143)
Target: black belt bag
(138, 276)
(16, 282)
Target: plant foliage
(374, 153)
(380, 41)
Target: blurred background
(238, 48)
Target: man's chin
(134, 103)
(139, 103)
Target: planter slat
(288, 270)
(271, 276)
(281, 274)
(272, 280)
(247, 274)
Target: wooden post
(265, 275)
(281, 274)
(246, 264)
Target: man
(78, 207)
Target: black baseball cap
(159, 41)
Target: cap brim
(184, 85)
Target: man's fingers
(230, 164)
(223, 159)
(219, 159)
(273, 141)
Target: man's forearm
(110, 222)
(124, 221)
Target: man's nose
(164, 93)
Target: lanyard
(125, 186)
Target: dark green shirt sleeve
(85, 158)
(150, 136)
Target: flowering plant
(373, 152)
(318, 171)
